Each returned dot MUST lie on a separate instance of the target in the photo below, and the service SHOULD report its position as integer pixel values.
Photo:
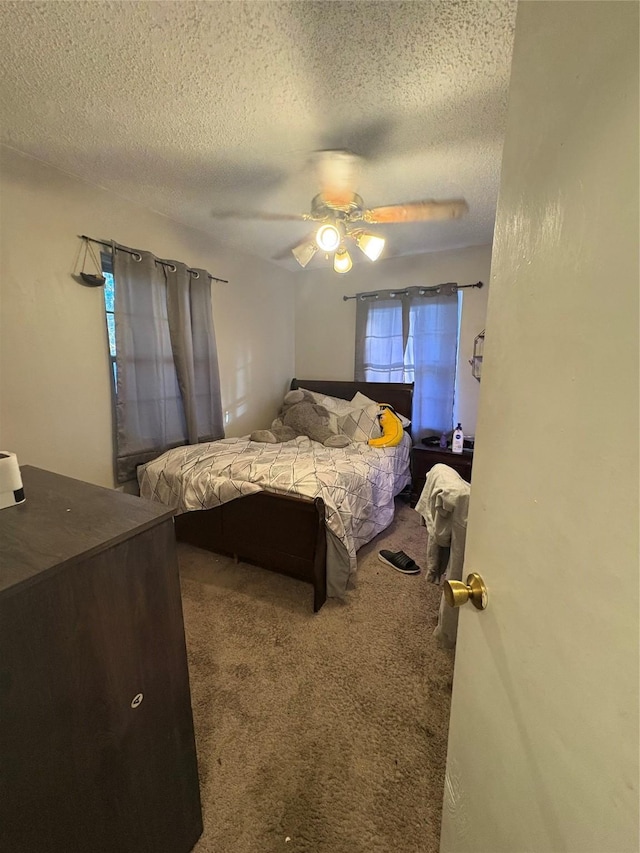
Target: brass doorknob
(457, 593)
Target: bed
(310, 536)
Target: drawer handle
(137, 700)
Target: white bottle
(457, 444)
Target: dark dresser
(97, 750)
(424, 458)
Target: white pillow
(361, 400)
(361, 424)
(333, 404)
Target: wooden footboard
(278, 532)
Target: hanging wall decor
(476, 361)
(90, 279)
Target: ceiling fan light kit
(328, 238)
(304, 252)
(342, 260)
(371, 244)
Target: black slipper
(399, 561)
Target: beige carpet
(318, 733)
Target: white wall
(55, 405)
(325, 324)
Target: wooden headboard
(396, 394)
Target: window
(412, 336)
(162, 348)
(383, 346)
(109, 307)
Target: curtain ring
(137, 257)
(195, 273)
(172, 267)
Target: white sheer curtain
(412, 336)
(380, 341)
(167, 381)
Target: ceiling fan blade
(417, 211)
(258, 214)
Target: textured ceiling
(187, 107)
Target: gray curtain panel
(167, 380)
(193, 342)
(412, 336)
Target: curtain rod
(131, 252)
(421, 291)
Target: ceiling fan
(342, 216)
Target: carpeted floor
(318, 733)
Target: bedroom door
(543, 747)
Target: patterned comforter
(357, 483)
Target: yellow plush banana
(392, 430)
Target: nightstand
(424, 458)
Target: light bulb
(342, 260)
(328, 238)
(371, 244)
